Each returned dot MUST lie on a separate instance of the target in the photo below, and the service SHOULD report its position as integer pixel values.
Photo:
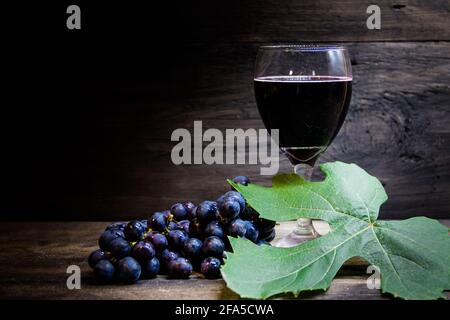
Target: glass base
(293, 239)
(304, 231)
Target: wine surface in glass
(307, 110)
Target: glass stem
(304, 225)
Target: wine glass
(303, 91)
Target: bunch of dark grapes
(178, 241)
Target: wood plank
(126, 27)
(35, 256)
(117, 163)
(313, 20)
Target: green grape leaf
(413, 255)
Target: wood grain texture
(262, 21)
(88, 133)
(34, 258)
(320, 20)
(397, 129)
(119, 25)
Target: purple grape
(184, 225)
(177, 239)
(158, 240)
(237, 196)
(190, 208)
(210, 268)
(158, 221)
(128, 270)
(167, 256)
(150, 268)
(180, 268)
(143, 251)
(207, 211)
(134, 231)
(237, 228)
(241, 180)
(214, 229)
(107, 237)
(213, 247)
(120, 248)
(229, 208)
(172, 226)
(251, 233)
(96, 256)
(179, 211)
(116, 226)
(193, 249)
(104, 271)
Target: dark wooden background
(86, 129)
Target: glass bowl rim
(302, 47)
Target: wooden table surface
(35, 255)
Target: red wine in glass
(307, 110)
(304, 91)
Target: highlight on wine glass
(304, 91)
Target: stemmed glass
(303, 91)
